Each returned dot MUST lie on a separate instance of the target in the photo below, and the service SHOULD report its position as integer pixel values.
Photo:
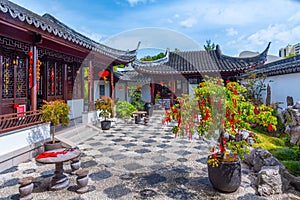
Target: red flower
(256, 111)
(235, 92)
(222, 148)
(270, 127)
(234, 102)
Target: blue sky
(235, 25)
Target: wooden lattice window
(14, 77)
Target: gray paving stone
(132, 166)
(118, 157)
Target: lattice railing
(15, 121)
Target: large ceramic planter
(226, 177)
(105, 125)
(48, 146)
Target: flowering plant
(220, 111)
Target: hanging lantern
(38, 75)
(104, 74)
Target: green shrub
(293, 167)
(124, 109)
(285, 154)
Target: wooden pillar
(90, 87)
(152, 91)
(126, 91)
(65, 81)
(112, 90)
(33, 90)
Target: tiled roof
(197, 62)
(51, 25)
(132, 76)
(280, 67)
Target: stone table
(59, 180)
(138, 115)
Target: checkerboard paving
(132, 161)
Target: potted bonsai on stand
(221, 112)
(56, 113)
(105, 106)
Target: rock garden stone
(269, 181)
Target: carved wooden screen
(74, 77)
(59, 79)
(51, 78)
(7, 78)
(21, 79)
(55, 78)
(14, 77)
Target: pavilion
(178, 72)
(43, 59)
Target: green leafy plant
(56, 112)
(124, 109)
(218, 110)
(292, 166)
(105, 105)
(136, 98)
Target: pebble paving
(135, 161)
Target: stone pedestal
(26, 187)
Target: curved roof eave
(145, 71)
(50, 24)
(262, 57)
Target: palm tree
(209, 46)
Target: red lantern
(16, 105)
(103, 73)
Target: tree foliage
(151, 58)
(209, 45)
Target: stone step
(77, 135)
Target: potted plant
(124, 109)
(56, 113)
(105, 106)
(222, 112)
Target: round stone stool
(82, 180)
(75, 165)
(26, 187)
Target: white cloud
(90, 34)
(294, 18)
(231, 32)
(135, 2)
(152, 38)
(189, 22)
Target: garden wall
(22, 144)
(283, 86)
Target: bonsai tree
(105, 105)
(220, 111)
(56, 112)
(217, 110)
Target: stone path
(134, 162)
